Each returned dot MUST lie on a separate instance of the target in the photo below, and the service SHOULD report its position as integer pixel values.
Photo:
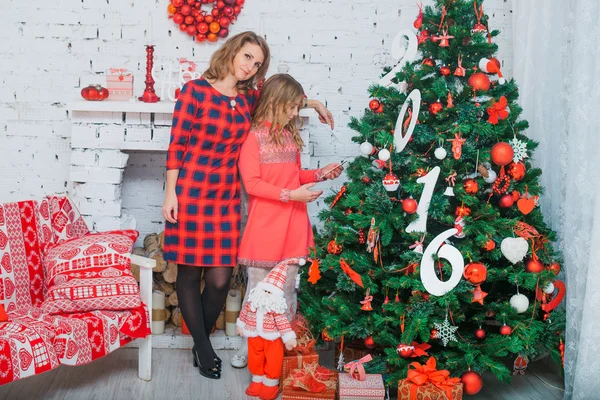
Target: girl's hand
(324, 114)
(304, 195)
(334, 169)
(169, 208)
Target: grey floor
(173, 378)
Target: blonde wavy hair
(221, 61)
(278, 94)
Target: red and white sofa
(43, 330)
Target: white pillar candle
(158, 312)
(233, 306)
(149, 30)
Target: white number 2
(403, 53)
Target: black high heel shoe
(211, 373)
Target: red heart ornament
(526, 205)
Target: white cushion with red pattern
(92, 272)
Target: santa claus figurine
(263, 321)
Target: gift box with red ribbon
(425, 382)
(119, 82)
(310, 382)
(357, 384)
(304, 352)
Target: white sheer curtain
(557, 67)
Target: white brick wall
(51, 49)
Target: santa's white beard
(268, 302)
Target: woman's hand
(331, 171)
(169, 208)
(304, 195)
(324, 114)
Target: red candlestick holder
(149, 95)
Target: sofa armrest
(146, 265)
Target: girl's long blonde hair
(221, 61)
(280, 92)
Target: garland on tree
(444, 180)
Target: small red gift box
(372, 388)
(427, 383)
(119, 82)
(297, 361)
(294, 387)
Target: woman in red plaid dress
(212, 118)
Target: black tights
(200, 311)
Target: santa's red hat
(275, 280)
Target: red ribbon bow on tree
(422, 374)
(356, 369)
(498, 110)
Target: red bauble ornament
(554, 267)
(433, 334)
(366, 179)
(471, 186)
(185, 9)
(505, 330)
(200, 37)
(189, 20)
(472, 382)
(177, 3)
(490, 245)
(516, 170)
(214, 27)
(515, 195)
(445, 71)
(223, 33)
(94, 93)
(370, 343)
(224, 22)
(428, 62)
(475, 272)
(462, 211)
(208, 19)
(405, 350)
(183, 27)
(534, 266)
(409, 206)
(374, 104)
(325, 336)
(480, 334)
(215, 12)
(479, 81)
(202, 27)
(228, 11)
(178, 18)
(334, 248)
(506, 201)
(191, 30)
(502, 153)
(171, 9)
(435, 108)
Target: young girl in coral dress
(278, 226)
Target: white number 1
(420, 224)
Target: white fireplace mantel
(102, 132)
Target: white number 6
(428, 276)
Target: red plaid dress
(206, 138)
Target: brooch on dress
(232, 103)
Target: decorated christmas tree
(436, 246)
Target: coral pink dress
(278, 228)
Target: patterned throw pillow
(91, 273)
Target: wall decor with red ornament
(194, 18)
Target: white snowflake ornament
(520, 149)
(445, 332)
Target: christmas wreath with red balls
(201, 24)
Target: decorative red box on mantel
(119, 82)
